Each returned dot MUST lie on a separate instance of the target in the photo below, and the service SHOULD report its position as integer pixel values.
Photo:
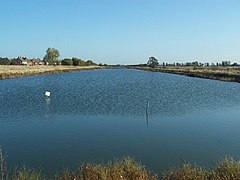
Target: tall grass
(127, 169)
(226, 169)
(3, 165)
(119, 170)
(23, 173)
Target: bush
(67, 62)
(4, 61)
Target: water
(101, 115)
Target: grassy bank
(7, 72)
(128, 169)
(218, 73)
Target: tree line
(53, 54)
(51, 58)
(153, 62)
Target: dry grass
(215, 72)
(24, 173)
(127, 169)
(227, 169)
(3, 165)
(186, 172)
(119, 170)
(20, 71)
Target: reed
(127, 169)
(123, 169)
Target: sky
(122, 31)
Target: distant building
(26, 62)
(37, 61)
(45, 62)
(21, 61)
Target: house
(21, 61)
(16, 61)
(45, 62)
(37, 61)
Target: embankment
(7, 72)
(231, 74)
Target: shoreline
(127, 169)
(11, 71)
(228, 74)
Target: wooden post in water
(147, 112)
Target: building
(37, 61)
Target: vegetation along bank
(231, 74)
(128, 169)
(11, 71)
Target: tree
(67, 62)
(152, 62)
(76, 61)
(195, 63)
(90, 63)
(4, 61)
(51, 56)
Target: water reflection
(47, 102)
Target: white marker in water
(47, 93)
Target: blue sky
(122, 31)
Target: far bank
(230, 74)
(11, 71)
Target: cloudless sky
(122, 31)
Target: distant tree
(90, 63)
(4, 61)
(226, 63)
(195, 63)
(152, 62)
(67, 62)
(51, 56)
(235, 64)
(76, 61)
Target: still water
(101, 115)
